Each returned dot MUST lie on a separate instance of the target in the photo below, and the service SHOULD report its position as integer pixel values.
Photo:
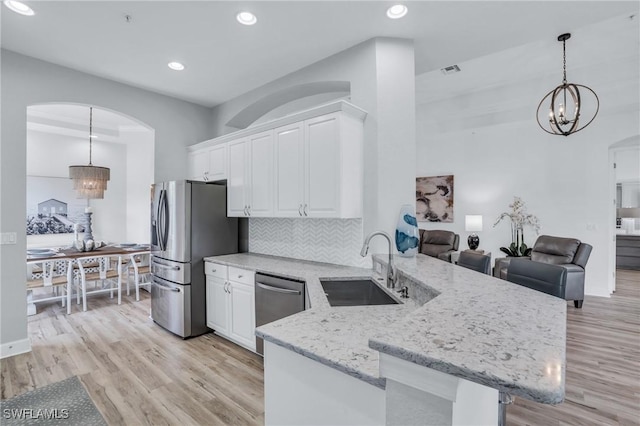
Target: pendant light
(566, 103)
(89, 181)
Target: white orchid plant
(519, 218)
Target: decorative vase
(407, 237)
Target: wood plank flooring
(138, 373)
(602, 385)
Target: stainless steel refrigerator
(188, 222)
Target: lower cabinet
(231, 304)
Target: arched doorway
(57, 137)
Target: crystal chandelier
(566, 103)
(89, 181)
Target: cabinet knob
(300, 210)
(239, 276)
(305, 210)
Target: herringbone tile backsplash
(321, 240)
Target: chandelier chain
(564, 62)
(90, 132)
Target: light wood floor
(603, 363)
(137, 373)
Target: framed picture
(52, 206)
(434, 199)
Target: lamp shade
(473, 222)
(628, 212)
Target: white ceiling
(225, 59)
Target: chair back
(475, 261)
(559, 251)
(545, 277)
(434, 242)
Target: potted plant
(519, 218)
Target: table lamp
(473, 224)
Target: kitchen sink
(359, 292)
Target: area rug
(62, 403)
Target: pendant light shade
(89, 181)
(569, 107)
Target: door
(260, 200)
(242, 324)
(198, 165)
(217, 163)
(237, 182)
(171, 215)
(217, 305)
(289, 171)
(322, 161)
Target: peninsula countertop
(472, 326)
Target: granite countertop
(457, 321)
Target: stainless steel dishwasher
(276, 298)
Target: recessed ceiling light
(176, 66)
(397, 11)
(19, 7)
(246, 18)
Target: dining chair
(52, 274)
(139, 262)
(107, 278)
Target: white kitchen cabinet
(208, 164)
(217, 304)
(250, 182)
(289, 170)
(231, 303)
(238, 180)
(319, 168)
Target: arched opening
(57, 137)
(297, 97)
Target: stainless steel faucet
(391, 270)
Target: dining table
(33, 260)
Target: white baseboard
(15, 348)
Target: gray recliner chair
(440, 244)
(544, 277)
(567, 253)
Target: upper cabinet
(308, 164)
(208, 164)
(250, 182)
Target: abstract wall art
(434, 199)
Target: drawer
(241, 275)
(215, 270)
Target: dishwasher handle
(277, 289)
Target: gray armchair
(476, 261)
(568, 253)
(438, 244)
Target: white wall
(26, 81)
(564, 181)
(381, 73)
(140, 148)
(108, 219)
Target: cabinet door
(217, 305)
(289, 170)
(217, 163)
(322, 164)
(237, 182)
(198, 165)
(261, 175)
(242, 324)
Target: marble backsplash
(322, 240)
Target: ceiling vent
(452, 69)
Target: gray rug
(63, 403)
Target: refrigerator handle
(165, 220)
(159, 220)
